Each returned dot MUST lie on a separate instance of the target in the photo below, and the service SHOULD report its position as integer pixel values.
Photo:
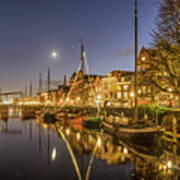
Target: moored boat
(92, 123)
(138, 131)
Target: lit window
(149, 90)
(125, 95)
(125, 87)
(139, 91)
(119, 95)
(144, 89)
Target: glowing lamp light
(98, 96)
(78, 98)
(169, 165)
(67, 132)
(67, 99)
(132, 94)
(97, 102)
(8, 101)
(125, 150)
(143, 58)
(78, 136)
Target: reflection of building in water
(146, 163)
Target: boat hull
(145, 136)
(91, 124)
(49, 118)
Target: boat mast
(136, 58)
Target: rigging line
(87, 68)
(65, 102)
(141, 29)
(75, 79)
(70, 152)
(128, 52)
(91, 161)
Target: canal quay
(33, 148)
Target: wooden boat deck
(143, 130)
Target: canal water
(33, 150)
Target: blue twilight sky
(32, 29)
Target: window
(149, 90)
(125, 95)
(139, 91)
(144, 89)
(119, 95)
(125, 87)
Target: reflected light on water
(99, 142)
(10, 112)
(67, 132)
(20, 113)
(53, 154)
(78, 136)
(125, 150)
(45, 126)
(169, 165)
(165, 167)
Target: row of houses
(115, 89)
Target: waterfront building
(85, 89)
(146, 90)
(115, 89)
(118, 89)
(62, 93)
(148, 93)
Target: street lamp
(132, 95)
(99, 96)
(143, 58)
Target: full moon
(54, 54)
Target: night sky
(31, 29)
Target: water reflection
(55, 151)
(152, 162)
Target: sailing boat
(137, 131)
